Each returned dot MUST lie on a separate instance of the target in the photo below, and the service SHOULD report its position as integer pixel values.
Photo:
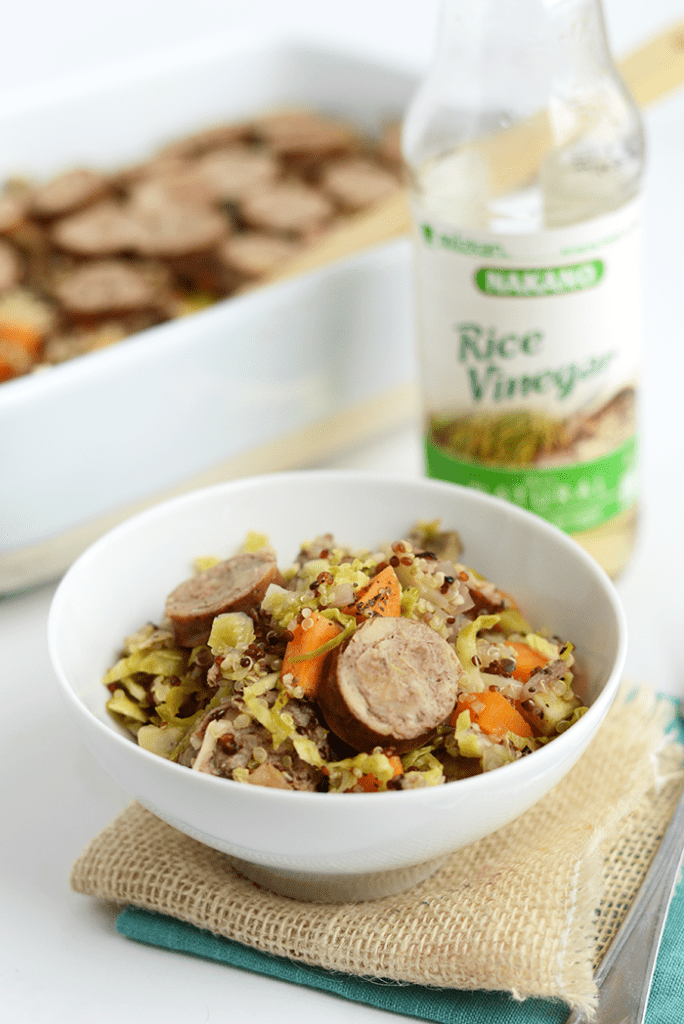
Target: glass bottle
(525, 158)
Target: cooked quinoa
(348, 671)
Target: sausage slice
(180, 185)
(13, 209)
(11, 266)
(231, 586)
(69, 192)
(206, 139)
(356, 184)
(101, 230)
(176, 229)
(231, 174)
(391, 685)
(106, 286)
(253, 253)
(287, 207)
(298, 133)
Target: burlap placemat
(530, 909)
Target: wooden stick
(656, 68)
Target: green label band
(575, 498)
(528, 283)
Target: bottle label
(529, 353)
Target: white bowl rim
(548, 753)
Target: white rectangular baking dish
(269, 380)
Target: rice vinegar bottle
(525, 158)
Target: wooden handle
(650, 72)
(656, 68)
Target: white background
(60, 958)
(43, 41)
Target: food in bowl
(352, 670)
(91, 256)
(325, 845)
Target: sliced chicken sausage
(11, 266)
(390, 686)
(356, 184)
(287, 207)
(231, 586)
(253, 254)
(106, 286)
(104, 229)
(69, 192)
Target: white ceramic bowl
(316, 845)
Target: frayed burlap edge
(530, 909)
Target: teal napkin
(442, 1006)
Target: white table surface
(60, 957)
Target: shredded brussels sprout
(152, 663)
(466, 648)
(227, 706)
